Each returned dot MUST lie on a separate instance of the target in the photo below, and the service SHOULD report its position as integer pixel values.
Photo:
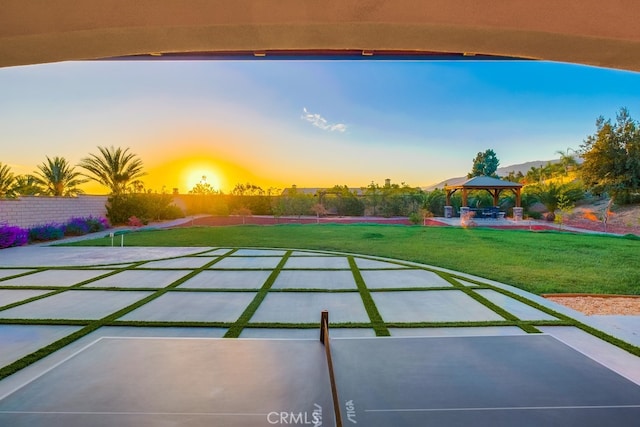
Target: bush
(534, 215)
(79, 226)
(12, 236)
(97, 224)
(415, 218)
(46, 232)
(144, 206)
(76, 227)
(135, 222)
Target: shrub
(12, 236)
(79, 226)
(415, 218)
(144, 206)
(76, 227)
(46, 232)
(135, 222)
(97, 224)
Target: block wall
(28, 211)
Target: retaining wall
(28, 211)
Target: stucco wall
(29, 211)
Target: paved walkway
(50, 293)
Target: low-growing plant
(135, 222)
(79, 226)
(12, 236)
(46, 232)
(76, 227)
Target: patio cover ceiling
(493, 185)
(579, 31)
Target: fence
(28, 211)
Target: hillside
(521, 167)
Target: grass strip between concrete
(235, 330)
(372, 311)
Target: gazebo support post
(518, 213)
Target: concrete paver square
(164, 332)
(315, 280)
(519, 309)
(318, 262)
(227, 280)
(75, 304)
(259, 252)
(11, 272)
(61, 278)
(431, 306)
(17, 341)
(305, 307)
(9, 296)
(468, 284)
(49, 256)
(308, 253)
(215, 252)
(376, 279)
(464, 331)
(248, 263)
(188, 262)
(194, 306)
(374, 264)
(139, 279)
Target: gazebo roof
(484, 182)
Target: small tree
(319, 210)
(243, 212)
(485, 164)
(565, 207)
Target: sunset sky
(309, 123)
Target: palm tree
(114, 168)
(26, 185)
(7, 179)
(59, 178)
(567, 160)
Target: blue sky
(310, 123)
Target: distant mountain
(522, 167)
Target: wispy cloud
(320, 122)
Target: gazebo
(494, 186)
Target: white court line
(508, 408)
(206, 414)
(66, 359)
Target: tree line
(606, 165)
(117, 169)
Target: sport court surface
(151, 352)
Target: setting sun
(201, 175)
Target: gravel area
(600, 305)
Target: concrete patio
(49, 293)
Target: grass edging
(377, 322)
(235, 330)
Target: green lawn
(539, 262)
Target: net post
(324, 338)
(324, 326)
